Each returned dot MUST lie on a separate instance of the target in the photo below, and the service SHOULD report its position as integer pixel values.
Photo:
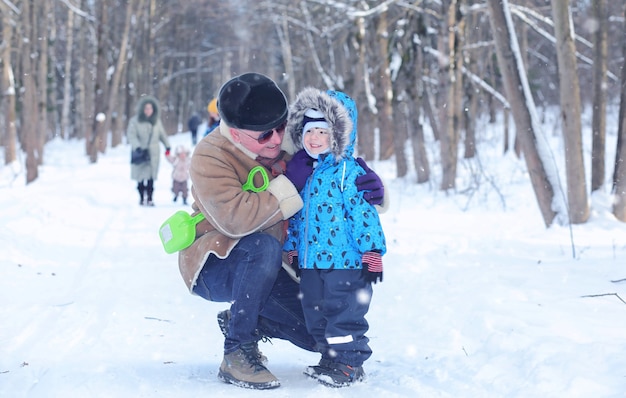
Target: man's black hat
(252, 101)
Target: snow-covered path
(476, 303)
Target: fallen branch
(619, 280)
(606, 294)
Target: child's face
(316, 140)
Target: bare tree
(598, 123)
(619, 171)
(388, 135)
(97, 139)
(29, 132)
(522, 107)
(114, 107)
(41, 37)
(67, 73)
(8, 84)
(570, 113)
(450, 137)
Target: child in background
(336, 241)
(214, 116)
(181, 162)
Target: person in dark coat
(194, 121)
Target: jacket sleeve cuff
(288, 198)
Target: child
(181, 162)
(336, 241)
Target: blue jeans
(264, 297)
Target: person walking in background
(336, 241)
(144, 131)
(214, 116)
(181, 162)
(194, 121)
(208, 125)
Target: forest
(75, 69)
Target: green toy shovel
(179, 231)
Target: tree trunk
(450, 137)
(570, 112)
(282, 29)
(365, 143)
(30, 117)
(67, 78)
(598, 123)
(522, 106)
(388, 138)
(619, 171)
(430, 113)
(8, 85)
(41, 34)
(420, 156)
(114, 97)
(469, 118)
(98, 137)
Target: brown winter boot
(244, 368)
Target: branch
(606, 294)
(10, 5)
(78, 11)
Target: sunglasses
(265, 136)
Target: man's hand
(299, 168)
(371, 184)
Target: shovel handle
(197, 218)
(249, 184)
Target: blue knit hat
(313, 118)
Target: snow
(479, 299)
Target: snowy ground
(479, 299)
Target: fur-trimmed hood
(155, 106)
(339, 111)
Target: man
(237, 254)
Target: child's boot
(333, 374)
